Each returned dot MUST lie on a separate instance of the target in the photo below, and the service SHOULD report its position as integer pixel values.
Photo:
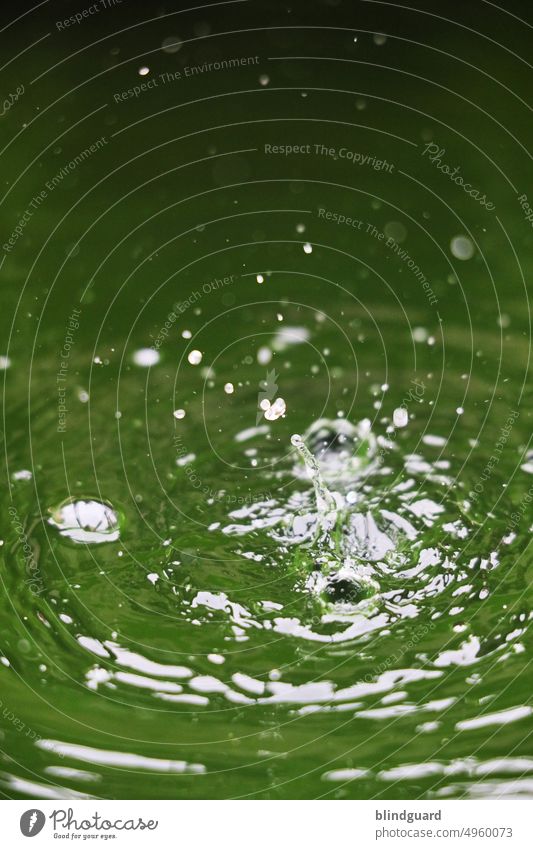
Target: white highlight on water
(144, 357)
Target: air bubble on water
(145, 357)
(171, 44)
(229, 388)
(308, 249)
(462, 248)
(186, 334)
(195, 357)
(419, 334)
(179, 414)
(400, 417)
(264, 79)
(264, 355)
(86, 521)
(260, 278)
(5, 362)
(379, 38)
(144, 70)
(276, 410)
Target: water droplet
(86, 521)
(276, 411)
(308, 249)
(379, 38)
(300, 228)
(5, 362)
(461, 247)
(144, 70)
(229, 388)
(460, 411)
(420, 334)
(264, 79)
(186, 334)
(145, 357)
(400, 417)
(195, 357)
(264, 355)
(260, 278)
(179, 414)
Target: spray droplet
(276, 411)
(144, 357)
(400, 417)
(195, 357)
